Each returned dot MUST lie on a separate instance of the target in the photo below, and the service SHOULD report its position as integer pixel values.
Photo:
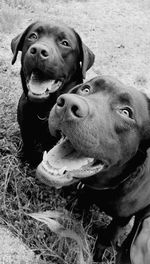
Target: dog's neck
(131, 169)
(117, 178)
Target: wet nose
(71, 107)
(39, 50)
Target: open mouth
(40, 86)
(63, 165)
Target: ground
(119, 35)
(12, 251)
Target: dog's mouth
(41, 86)
(63, 165)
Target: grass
(22, 194)
(18, 4)
(6, 25)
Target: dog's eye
(127, 111)
(85, 89)
(65, 43)
(33, 36)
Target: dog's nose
(39, 50)
(70, 106)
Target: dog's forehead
(123, 93)
(114, 86)
(55, 29)
(107, 84)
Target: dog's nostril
(33, 51)
(70, 107)
(75, 110)
(44, 53)
(60, 102)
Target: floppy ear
(18, 41)
(145, 132)
(87, 57)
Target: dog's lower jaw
(76, 79)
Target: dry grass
(9, 18)
(18, 4)
(22, 194)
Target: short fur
(52, 52)
(109, 121)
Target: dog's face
(52, 56)
(104, 123)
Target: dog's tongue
(39, 87)
(63, 165)
(64, 155)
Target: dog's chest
(131, 196)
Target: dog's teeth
(58, 83)
(55, 172)
(50, 86)
(45, 166)
(45, 156)
(101, 167)
(61, 171)
(51, 171)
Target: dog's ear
(18, 41)
(145, 130)
(87, 57)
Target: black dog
(54, 59)
(107, 129)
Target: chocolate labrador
(105, 145)
(54, 59)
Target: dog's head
(54, 58)
(105, 125)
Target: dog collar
(134, 176)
